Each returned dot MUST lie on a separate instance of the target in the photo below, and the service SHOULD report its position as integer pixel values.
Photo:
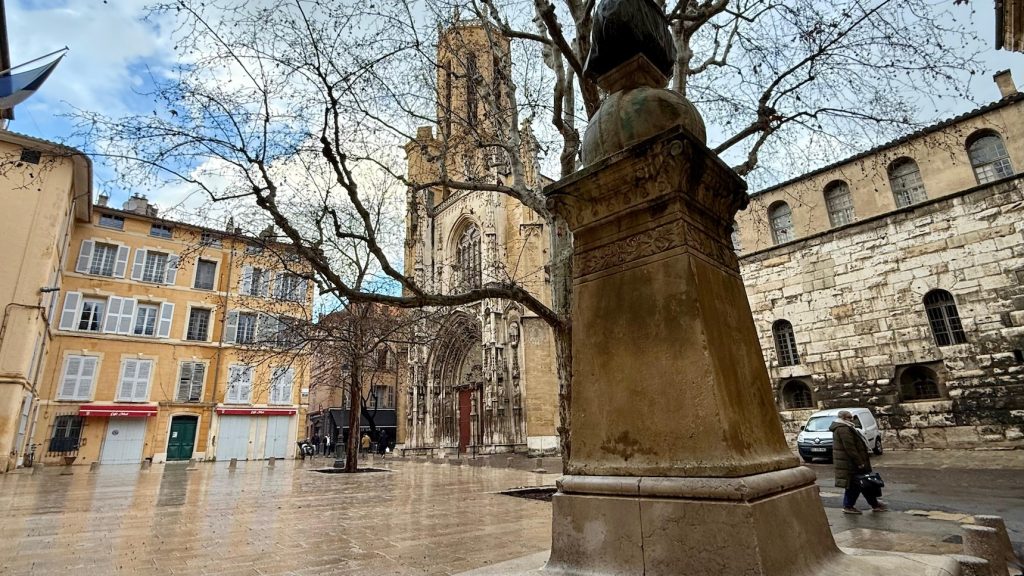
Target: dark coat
(849, 453)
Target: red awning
(117, 410)
(256, 411)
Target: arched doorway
(181, 440)
(458, 383)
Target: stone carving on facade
(630, 248)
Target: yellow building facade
(45, 189)
(172, 342)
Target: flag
(15, 88)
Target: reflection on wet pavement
(419, 519)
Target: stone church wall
(854, 296)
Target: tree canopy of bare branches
(295, 114)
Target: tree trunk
(561, 288)
(354, 413)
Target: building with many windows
(895, 280)
(171, 342)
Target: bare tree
(293, 109)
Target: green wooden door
(182, 439)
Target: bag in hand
(870, 484)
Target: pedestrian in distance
(850, 456)
(316, 443)
(364, 442)
(382, 442)
(328, 447)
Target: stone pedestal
(678, 462)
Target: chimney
(103, 200)
(137, 204)
(1004, 80)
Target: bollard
(983, 542)
(94, 466)
(509, 461)
(997, 523)
(540, 467)
(972, 565)
(233, 464)
(270, 463)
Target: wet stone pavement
(419, 518)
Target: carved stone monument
(678, 463)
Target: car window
(819, 424)
(856, 422)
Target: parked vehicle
(815, 439)
(306, 448)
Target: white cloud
(109, 45)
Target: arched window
(944, 318)
(989, 158)
(906, 183)
(781, 219)
(919, 383)
(785, 343)
(796, 395)
(839, 203)
(467, 257)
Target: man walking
(850, 456)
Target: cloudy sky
(113, 51)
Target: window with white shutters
(281, 385)
(77, 378)
(135, 376)
(104, 256)
(289, 286)
(255, 281)
(154, 267)
(190, 382)
(246, 333)
(145, 320)
(239, 384)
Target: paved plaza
(418, 518)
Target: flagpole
(64, 49)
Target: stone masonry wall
(854, 296)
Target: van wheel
(878, 446)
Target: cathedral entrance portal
(465, 408)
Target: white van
(815, 439)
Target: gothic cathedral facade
(482, 380)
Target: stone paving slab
(419, 518)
